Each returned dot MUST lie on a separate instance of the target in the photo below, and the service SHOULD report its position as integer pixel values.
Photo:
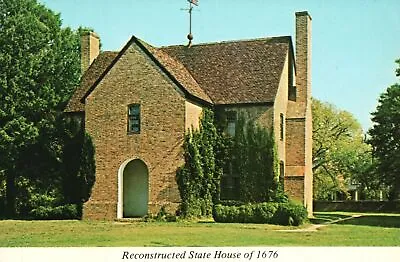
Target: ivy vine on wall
(210, 153)
(254, 161)
(198, 179)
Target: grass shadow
(374, 220)
(326, 218)
(159, 244)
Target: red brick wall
(294, 188)
(134, 79)
(295, 142)
(303, 83)
(303, 56)
(295, 159)
(298, 176)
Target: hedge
(261, 213)
(70, 211)
(357, 206)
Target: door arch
(135, 189)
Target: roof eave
(111, 65)
(243, 104)
(155, 60)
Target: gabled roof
(106, 60)
(246, 71)
(179, 73)
(95, 70)
(235, 72)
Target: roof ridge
(154, 50)
(232, 41)
(201, 80)
(179, 62)
(151, 52)
(245, 71)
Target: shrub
(2, 207)
(231, 202)
(265, 212)
(226, 214)
(291, 214)
(262, 213)
(246, 213)
(165, 216)
(280, 196)
(70, 211)
(80, 169)
(30, 195)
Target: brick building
(137, 104)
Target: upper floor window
(281, 173)
(231, 117)
(282, 126)
(134, 118)
(292, 93)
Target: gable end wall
(135, 79)
(280, 107)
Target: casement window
(231, 118)
(292, 93)
(282, 173)
(230, 187)
(282, 126)
(134, 119)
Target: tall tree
(385, 137)
(39, 67)
(340, 154)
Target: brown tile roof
(246, 71)
(95, 70)
(105, 61)
(179, 72)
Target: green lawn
(367, 230)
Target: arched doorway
(135, 189)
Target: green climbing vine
(254, 161)
(198, 179)
(209, 153)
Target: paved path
(315, 227)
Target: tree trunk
(10, 193)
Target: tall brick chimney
(303, 56)
(298, 174)
(303, 84)
(90, 49)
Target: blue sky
(355, 42)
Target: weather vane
(191, 3)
